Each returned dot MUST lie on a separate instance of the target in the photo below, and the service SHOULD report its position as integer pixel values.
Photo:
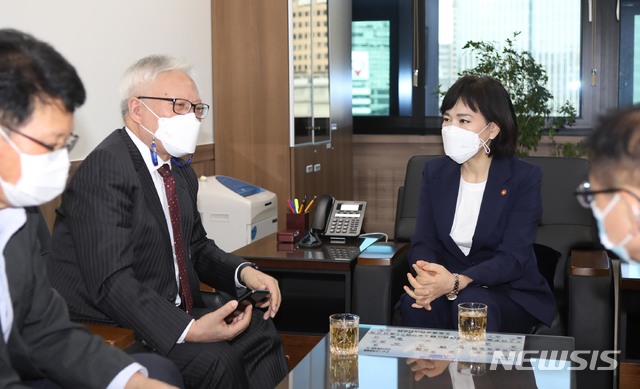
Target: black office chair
(565, 225)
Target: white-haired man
(129, 247)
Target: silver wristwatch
(456, 284)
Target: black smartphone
(252, 297)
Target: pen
(290, 206)
(297, 207)
(310, 204)
(304, 202)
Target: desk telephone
(339, 218)
(333, 218)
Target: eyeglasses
(183, 106)
(585, 195)
(68, 144)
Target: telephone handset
(324, 204)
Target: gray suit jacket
(111, 251)
(43, 341)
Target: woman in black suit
(478, 213)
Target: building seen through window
(549, 29)
(370, 67)
(630, 45)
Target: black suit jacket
(43, 341)
(111, 250)
(502, 255)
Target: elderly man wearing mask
(129, 248)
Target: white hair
(145, 71)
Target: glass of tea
(344, 333)
(343, 371)
(472, 321)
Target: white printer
(235, 213)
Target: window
(549, 30)
(370, 67)
(629, 43)
(570, 42)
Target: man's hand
(212, 327)
(139, 381)
(255, 279)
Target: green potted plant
(526, 81)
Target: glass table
(545, 365)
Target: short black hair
(33, 70)
(613, 147)
(486, 95)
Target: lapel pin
(503, 192)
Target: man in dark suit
(122, 255)
(613, 190)
(40, 346)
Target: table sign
(437, 344)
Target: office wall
(102, 38)
(380, 163)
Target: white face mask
(42, 177)
(179, 134)
(619, 249)
(460, 144)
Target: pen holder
(298, 221)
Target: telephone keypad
(343, 253)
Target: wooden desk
(314, 282)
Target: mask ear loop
(484, 143)
(180, 163)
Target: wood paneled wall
(251, 100)
(251, 93)
(380, 163)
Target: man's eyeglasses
(68, 144)
(183, 106)
(585, 195)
